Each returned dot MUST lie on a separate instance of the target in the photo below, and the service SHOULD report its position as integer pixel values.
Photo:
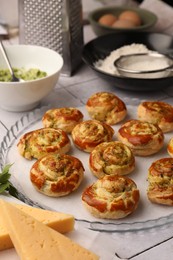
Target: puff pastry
(106, 107)
(157, 112)
(111, 158)
(111, 197)
(57, 175)
(170, 147)
(88, 134)
(142, 137)
(65, 118)
(40, 142)
(160, 178)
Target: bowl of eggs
(38, 67)
(112, 19)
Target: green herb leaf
(4, 187)
(6, 168)
(4, 177)
(5, 184)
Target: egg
(123, 24)
(130, 16)
(107, 19)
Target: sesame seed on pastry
(157, 112)
(142, 137)
(88, 134)
(65, 118)
(40, 142)
(170, 147)
(106, 107)
(57, 175)
(111, 158)
(111, 197)
(160, 178)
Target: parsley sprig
(5, 184)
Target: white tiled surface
(153, 244)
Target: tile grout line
(145, 250)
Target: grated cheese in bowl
(107, 64)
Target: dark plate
(101, 47)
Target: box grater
(56, 24)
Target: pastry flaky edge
(170, 147)
(65, 118)
(88, 134)
(143, 138)
(157, 112)
(160, 182)
(40, 142)
(106, 107)
(57, 175)
(111, 158)
(111, 197)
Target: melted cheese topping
(142, 137)
(88, 134)
(111, 195)
(161, 171)
(57, 175)
(38, 143)
(157, 112)
(170, 147)
(65, 118)
(106, 107)
(111, 158)
(160, 178)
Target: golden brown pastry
(142, 137)
(65, 118)
(157, 112)
(88, 134)
(40, 142)
(170, 147)
(160, 178)
(57, 175)
(111, 158)
(106, 107)
(111, 197)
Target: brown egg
(123, 24)
(130, 16)
(107, 19)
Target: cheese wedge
(59, 221)
(35, 241)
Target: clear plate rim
(31, 118)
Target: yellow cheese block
(35, 241)
(59, 221)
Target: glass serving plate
(146, 216)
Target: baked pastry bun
(111, 197)
(65, 118)
(40, 142)
(88, 134)
(170, 147)
(106, 107)
(142, 137)
(57, 175)
(157, 112)
(111, 158)
(160, 178)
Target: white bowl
(23, 96)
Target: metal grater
(56, 24)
